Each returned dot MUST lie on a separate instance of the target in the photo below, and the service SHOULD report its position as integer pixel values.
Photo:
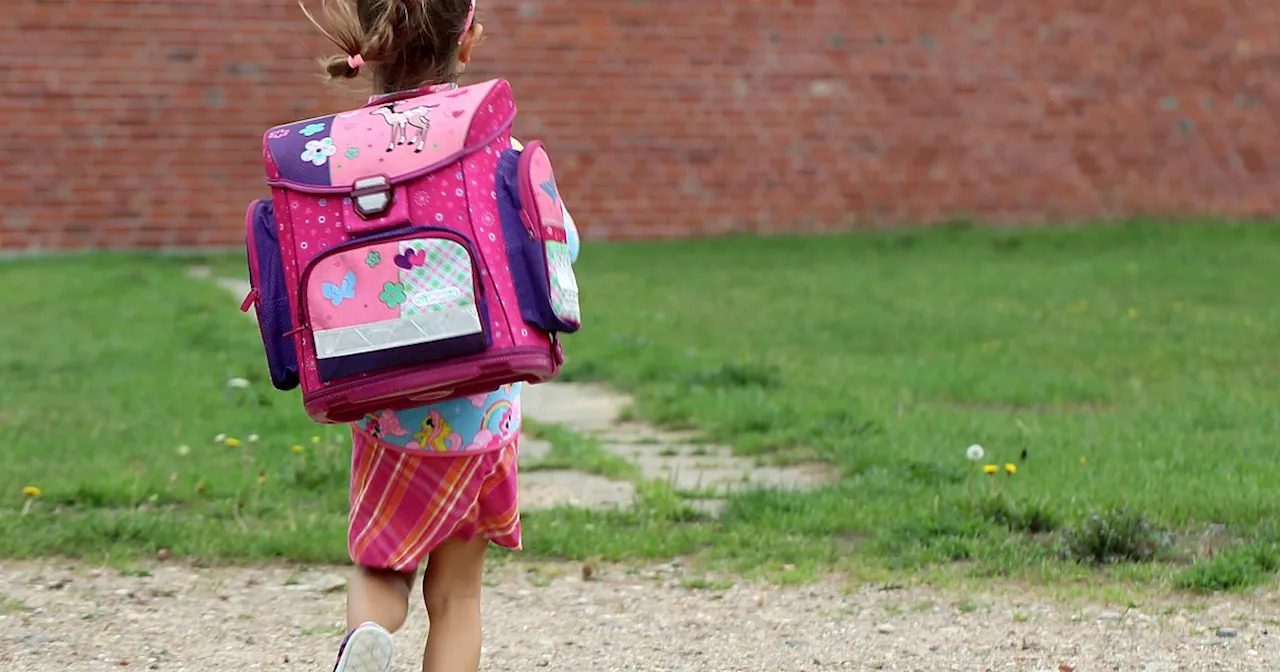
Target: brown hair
(405, 43)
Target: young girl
(408, 504)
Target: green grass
(1135, 365)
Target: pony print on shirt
(476, 423)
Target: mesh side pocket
(266, 274)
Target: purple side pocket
(266, 274)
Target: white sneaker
(368, 648)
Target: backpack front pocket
(397, 299)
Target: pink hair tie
(354, 62)
(466, 27)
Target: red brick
(134, 123)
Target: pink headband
(354, 62)
(466, 27)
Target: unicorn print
(401, 120)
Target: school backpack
(409, 254)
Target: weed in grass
(1111, 536)
(1029, 516)
(1232, 570)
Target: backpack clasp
(371, 196)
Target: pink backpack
(409, 254)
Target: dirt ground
(56, 617)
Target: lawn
(1135, 366)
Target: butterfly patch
(336, 294)
(550, 187)
(410, 258)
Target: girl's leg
(378, 596)
(451, 590)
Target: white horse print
(401, 120)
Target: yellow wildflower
(990, 469)
(232, 442)
(315, 439)
(1011, 468)
(298, 450)
(31, 491)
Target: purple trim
(306, 188)
(287, 150)
(271, 303)
(526, 252)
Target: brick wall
(136, 123)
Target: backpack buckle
(371, 196)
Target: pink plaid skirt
(404, 503)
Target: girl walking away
(411, 501)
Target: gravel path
(55, 617)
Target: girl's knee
(387, 576)
(455, 573)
